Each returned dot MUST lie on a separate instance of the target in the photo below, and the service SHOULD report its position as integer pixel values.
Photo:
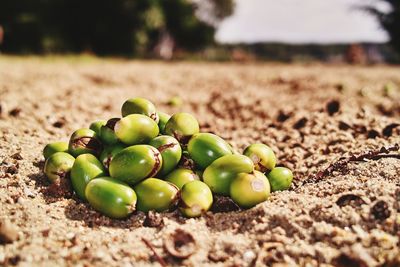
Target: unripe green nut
(250, 189)
(262, 155)
(139, 105)
(58, 165)
(155, 194)
(136, 129)
(220, 174)
(111, 197)
(96, 125)
(135, 163)
(196, 198)
(280, 178)
(204, 148)
(109, 152)
(85, 168)
(84, 141)
(181, 176)
(107, 134)
(182, 126)
(170, 150)
(175, 101)
(53, 148)
(164, 117)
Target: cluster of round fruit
(113, 165)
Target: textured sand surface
(311, 115)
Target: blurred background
(352, 31)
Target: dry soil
(337, 127)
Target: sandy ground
(335, 126)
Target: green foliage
(124, 27)
(390, 21)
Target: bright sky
(300, 21)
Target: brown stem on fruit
(177, 198)
(160, 260)
(154, 116)
(111, 123)
(131, 207)
(166, 146)
(61, 174)
(157, 163)
(88, 142)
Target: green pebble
(139, 105)
(135, 163)
(181, 176)
(250, 189)
(280, 178)
(196, 198)
(182, 126)
(220, 174)
(170, 150)
(86, 167)
(204, 148)
(84, 141)
(111, 197)
(136, 129)
(263, 157)
(53, 148)
(155, 194)
(58, 166)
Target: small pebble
(8, 232)
(249, 256)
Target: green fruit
(53, 148)
(111, 197)
(181, 176)
(204, 148)
(175, 101)
(155, 194)
(58, 166)
(139, 105)
(136, 129)
(96, 125)
(196, 198)
(109, 152)
(84, 141)
(182, 126)
(107, 134)
(85, 168)
(164, 117)
(250, 189)
(280, 178)
(263, 157)
(135, 163)
(220, 174)
(170, 150)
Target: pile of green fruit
(148, 160)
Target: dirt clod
(380, 210)
(350, 199)
(333, 107)
(15, 112)
(180, 244)
(8, 232)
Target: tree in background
(117, 27)
(390, 20)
